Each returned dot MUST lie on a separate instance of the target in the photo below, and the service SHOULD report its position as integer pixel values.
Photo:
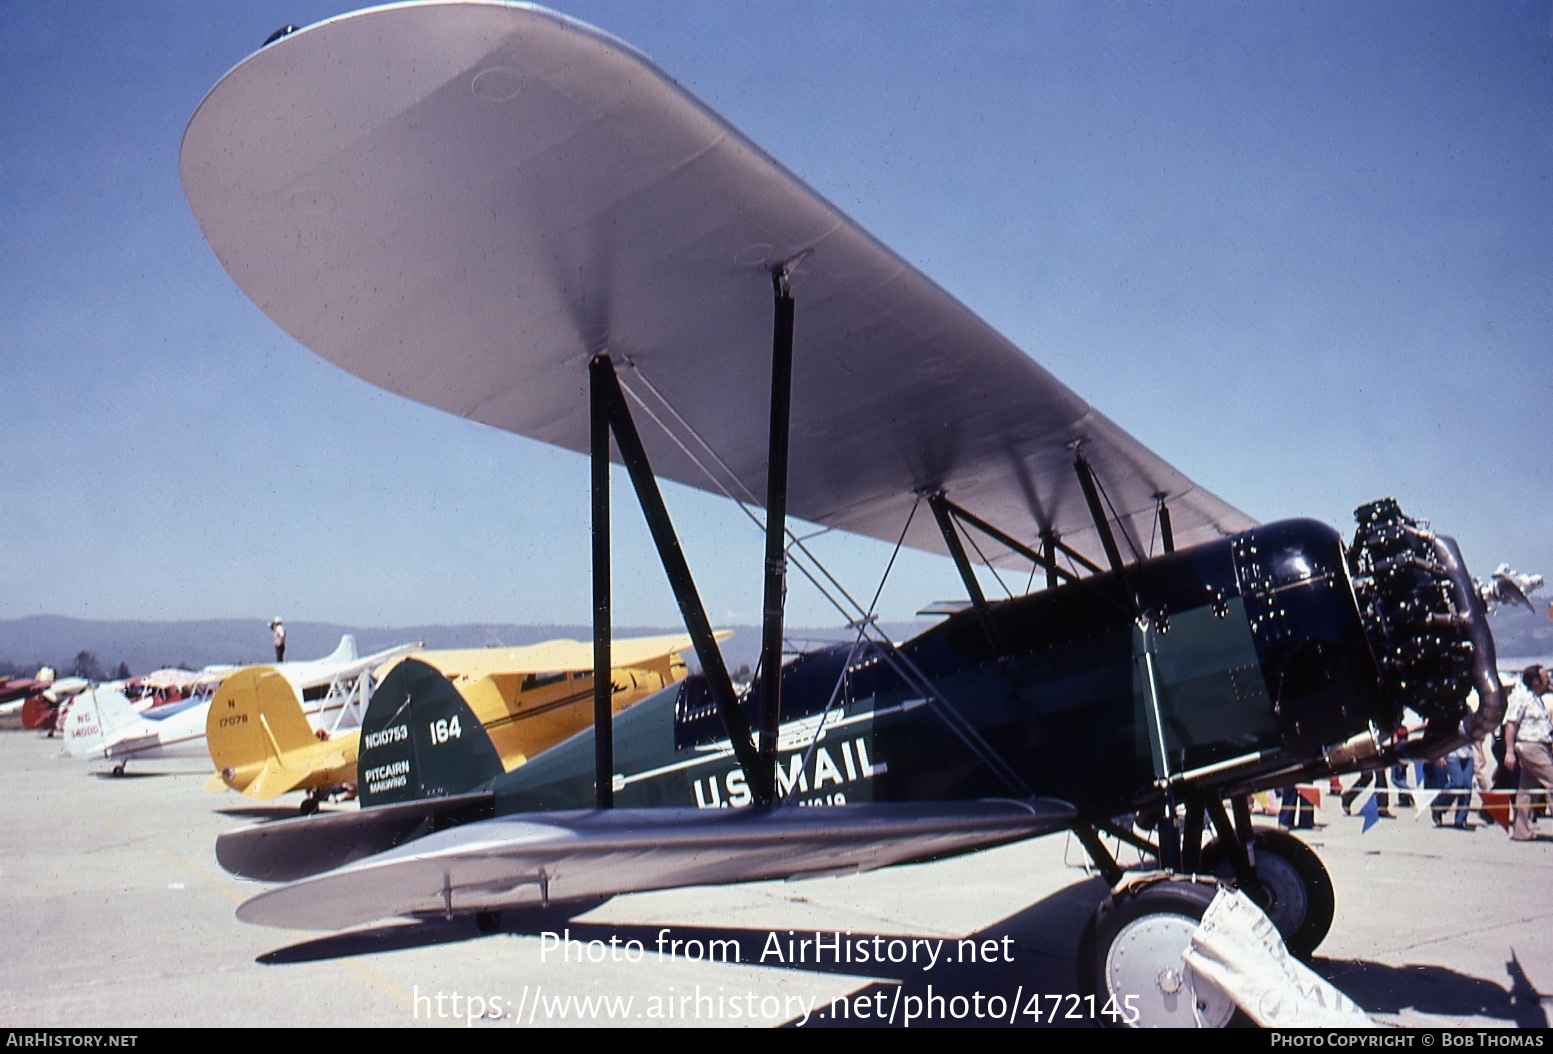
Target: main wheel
(1291, 885)
(1132, 959)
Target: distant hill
(54, 640)
(1519, 633)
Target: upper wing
(316, 673)
(553, 655)
(578, 855)
(464, 202)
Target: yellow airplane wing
(553, 655)
(532, 697)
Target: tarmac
(117, 916)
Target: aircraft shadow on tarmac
(1042, 938)
(142, 773)
(1436, 990)
(1052, 923)
(1039, 940)
(260, 812)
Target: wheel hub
(1279, 892)
(1147, 962)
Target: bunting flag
(1423, 801)
(1371, 813)
(1310, 794)
(1497, 805)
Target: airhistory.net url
(883, 1006)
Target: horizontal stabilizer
(290, 849)
(539, 858)
(129, 746)
(278, 776)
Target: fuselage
(1233, 663)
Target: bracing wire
(1116, 517)
(743, 503)
(887, 650)
(988, 564)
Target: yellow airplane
(528, 698)
(531, 698)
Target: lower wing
(539, 858)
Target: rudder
(95, 716)
(419, 739)
(255, 716)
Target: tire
(1292, 886)
(1131, 959)
(309, 806)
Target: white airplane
(516, 218)
(171, 686)
(103, 723)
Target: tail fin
(93, 717)
(39, 710)
(254, 720)
(345, 651)
(421, 740)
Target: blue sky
(1304, 251)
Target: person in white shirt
(1528, 737)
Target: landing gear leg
(1133, 944)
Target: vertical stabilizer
(344, 652)
(255, 717)
(421, 740)
(95, 716)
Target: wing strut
(1113, 555)
(1086, 480)
(941, 512)
(1074, 555)
(1046, 558)
(607, 400)
(610, 415)
(776, 533)
(603, 667)
(949, 515)
(1166, 535)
